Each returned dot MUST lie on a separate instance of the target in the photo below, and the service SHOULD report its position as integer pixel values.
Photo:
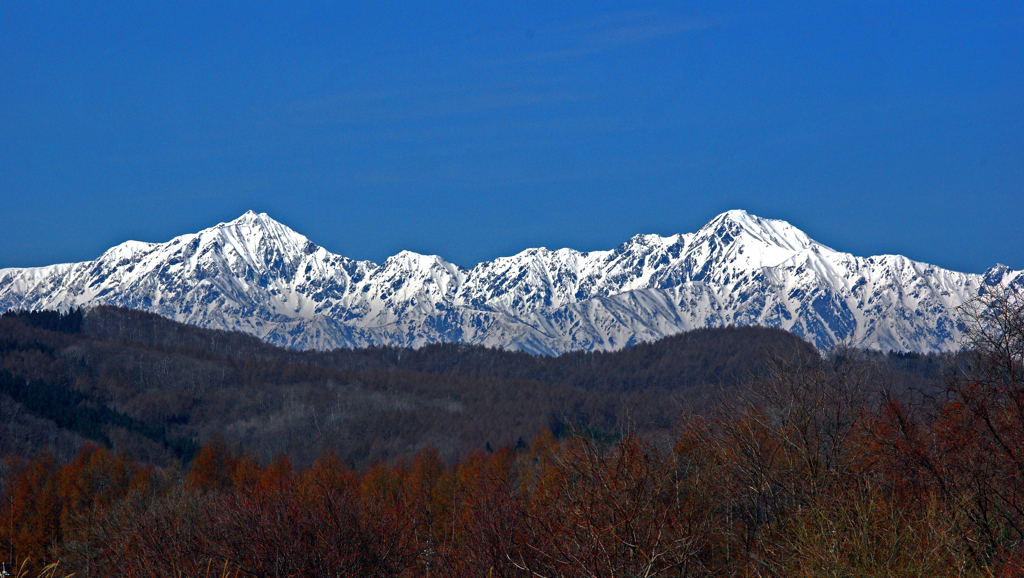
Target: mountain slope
(256, 275)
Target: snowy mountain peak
(250, 215)
(254, 224)
(412, 261)
(257, 240)
(736, 216)
(129, 250)
(254, 274)
(742, 226)
(999, 274)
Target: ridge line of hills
(155, 388)
(258, 276)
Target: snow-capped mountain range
(256, 275)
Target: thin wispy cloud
(608, 33)
(428, 101)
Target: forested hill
(154, 388)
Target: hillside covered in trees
(138, 383)
(729, 452)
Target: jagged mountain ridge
(256, 275)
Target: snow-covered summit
(256, 275)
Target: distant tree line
(142, 384)
(65, 322)
(75, 411)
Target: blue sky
(476, 130)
